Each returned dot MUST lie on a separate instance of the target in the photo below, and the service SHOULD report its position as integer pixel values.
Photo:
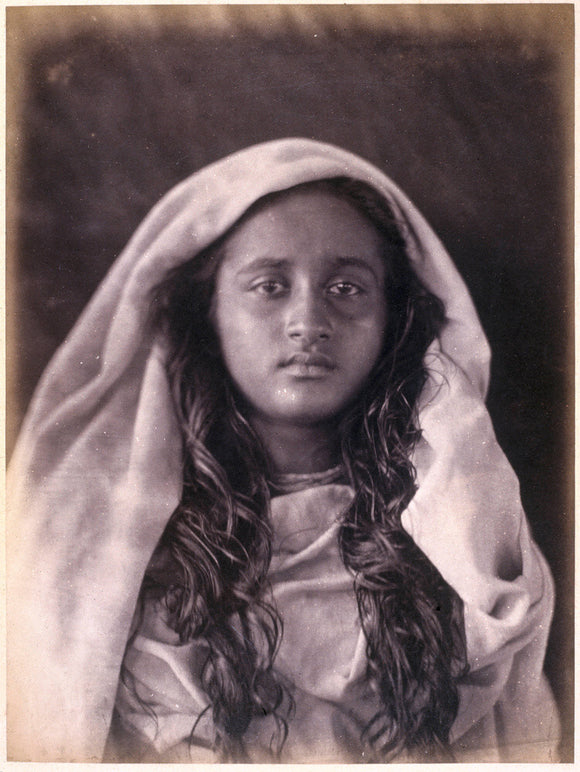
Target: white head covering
(97, 470)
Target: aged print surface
(216, 550)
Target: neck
(298, 449)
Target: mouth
(303, 364)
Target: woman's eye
(269, 287)
(344, 289)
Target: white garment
(97, 473)
(506, 710)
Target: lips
(310, 365)
(309, 359)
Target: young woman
(260, 509)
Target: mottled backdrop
(467, 107)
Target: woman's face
(299, 306)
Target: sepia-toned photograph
(290, 405)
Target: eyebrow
(264, 262)
(356, 262)
(276, 263)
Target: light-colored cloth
(97, 473)
(506, 710)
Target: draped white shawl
(97, 473)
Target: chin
(311, 415)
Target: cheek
(367, 351)
(239, 332)
(228, 321)
(240, 325)
(368, 335)
(243, 344)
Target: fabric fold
(96, 474)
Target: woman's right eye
(270, 287)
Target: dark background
(468, 108)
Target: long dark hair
(218, 541)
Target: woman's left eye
(345, 289)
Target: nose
(308, 319)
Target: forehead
(306, 223)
